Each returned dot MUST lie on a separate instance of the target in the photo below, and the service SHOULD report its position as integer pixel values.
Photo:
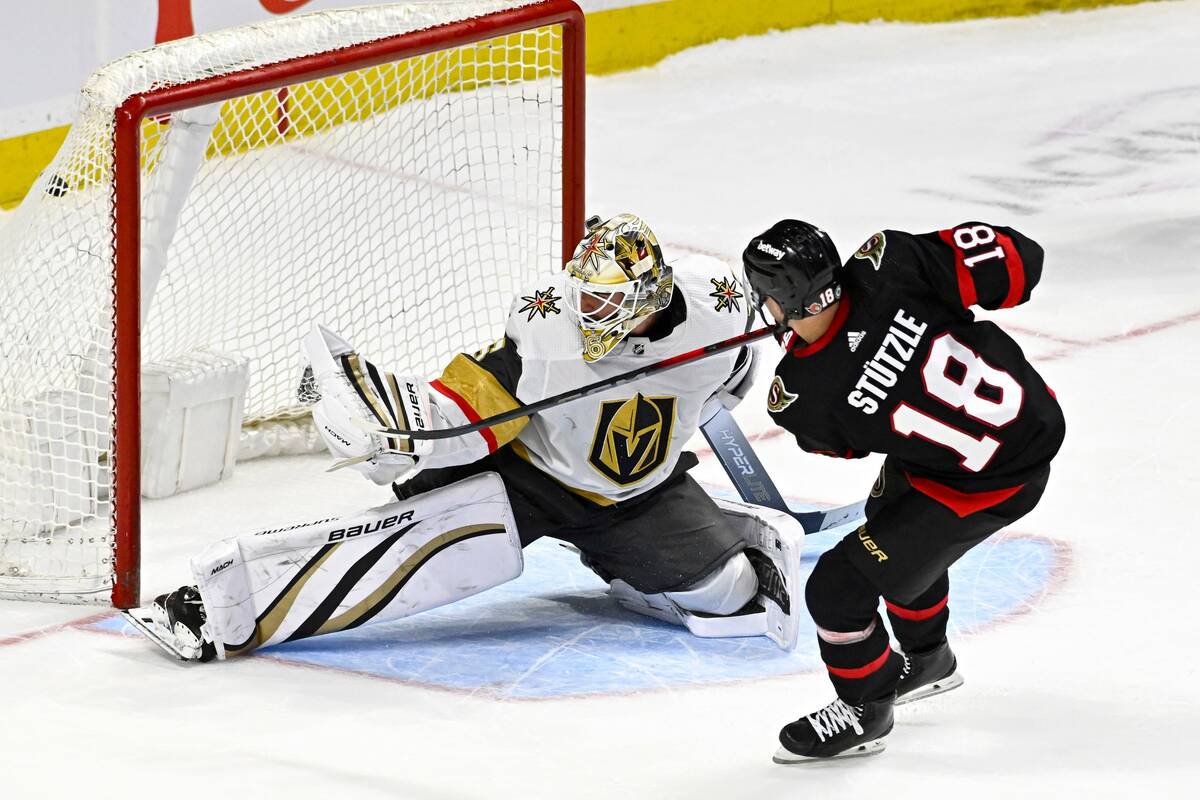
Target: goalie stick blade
(143, 622)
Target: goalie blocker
(406, 557)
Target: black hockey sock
(920, 624)
(863, 670)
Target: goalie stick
(750, 490)
(754, 485)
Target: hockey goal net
(393, 171)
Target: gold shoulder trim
(479, 389)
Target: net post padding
(127, 191)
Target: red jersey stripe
(1016, 271)
(966, 282)
(962, 503)
(465, 407)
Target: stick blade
(817, 521)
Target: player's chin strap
(754, 485)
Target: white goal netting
(400, 204)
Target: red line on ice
(1134, 333)
(38, 633)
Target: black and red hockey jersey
(907, 370)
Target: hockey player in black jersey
(884, 355)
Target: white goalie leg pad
(658, 606)
(379, 565)
(774, 542)
(724, 591)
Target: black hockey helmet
(796, 264)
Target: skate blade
(946, 684)
(142, 620)
(785, 756)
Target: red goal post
(483, 42)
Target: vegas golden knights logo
(632, 437)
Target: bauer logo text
(376, 526)
(869, 543)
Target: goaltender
(606, 473)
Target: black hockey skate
(175, 622)
(838, 730)
(926, 674)
(182, 613)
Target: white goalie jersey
(615, 444)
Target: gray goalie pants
(661, 541)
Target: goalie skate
(175, 622)
(142, 620)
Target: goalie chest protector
(619, 443)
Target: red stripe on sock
(920, 614)
(861, 672)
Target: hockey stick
(752, 482)
(590, 389)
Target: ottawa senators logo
(872, 250)
(632, 437)
(880, 484)
(778, 397)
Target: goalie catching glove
(356, 398)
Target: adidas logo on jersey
(855, 338)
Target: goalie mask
(615, 280)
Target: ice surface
(1080, 129)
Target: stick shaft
(590, 389)
(754, 485)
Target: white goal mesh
(400, 203)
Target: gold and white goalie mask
(616, 279)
